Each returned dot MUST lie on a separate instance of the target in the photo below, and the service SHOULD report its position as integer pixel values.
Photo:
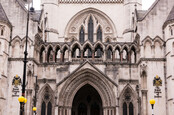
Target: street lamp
(152, 102)
(35, 97)
(22, 99)
(34, 110)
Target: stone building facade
(91, 57)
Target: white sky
(146, 4)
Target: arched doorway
(87, 101)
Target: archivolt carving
(87, 76)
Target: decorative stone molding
(124, 81)
(90, 1)
(46, 80)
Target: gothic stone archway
(96, 81)
(87, 101)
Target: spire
(3, 16)
(171, 15)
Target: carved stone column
(144, 102)
(69, 55)
(104, 57)
(93, 54)
(113, 56)
(54, 56)
(121, 56)
(81, 54)
(61, 56)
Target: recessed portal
(87, 101)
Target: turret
(5, 32)
(168, 30)
(49, 20)
(129, 8)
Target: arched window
(109, 53)
(124, 108)
(43, 108)
(57, 54)
(98, 51)
(87, 52)
(65, 54)
(133, 55)
(117, 54)
(49, 108)
(82, 35)
(125, 54)
(76, 52)
(90, 29)
(47, 100)
(50, 55)
(99, 34)
(131, 109)
(42, 54)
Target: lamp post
(34, 110)
(35, 98)
(22, 99)
(152, 102)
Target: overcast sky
(146, 4)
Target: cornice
(151, 59)
(126, 81)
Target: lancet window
(117, 54)
(133, 55)
(90, 29)
(46, 106)
(98, 52)
(82, 35)
(128, 107)
(65, 54)
(57, 54)
(109, 53)
(99, 34)
(87, 52)
(42, 54)
(76, 52)
(125, 54)
(50, 55)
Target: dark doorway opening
(87, 101)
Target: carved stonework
(30, 69)
(143, 71)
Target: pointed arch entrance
(87, 92)
(87, 101)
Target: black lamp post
(22, 103)
(35, 97)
